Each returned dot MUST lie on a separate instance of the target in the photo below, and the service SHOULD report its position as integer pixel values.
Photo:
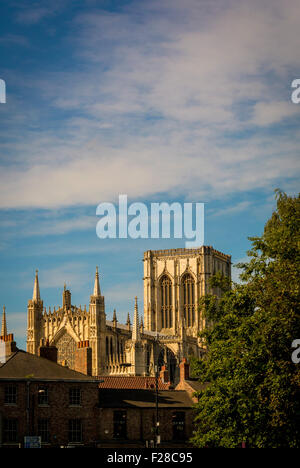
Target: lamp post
(30, 416)
(157, 436)
(157, 424)
(156, 359)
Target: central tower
(174, 281)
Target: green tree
(253, 394)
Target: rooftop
(131, 382)
(119, 398)
(25, 366)
(196, 385)
(183, 251)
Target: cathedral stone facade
(174, 280)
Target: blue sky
(160, 100)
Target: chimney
(7, 347)
(184, 370)
(83, 358)
(66, 298)
(48, 352)
(164, 375)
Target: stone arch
(65, 328)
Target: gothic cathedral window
(107, 349)
(166, 302)
(188, 300)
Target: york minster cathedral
(174, 280)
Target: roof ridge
(57, 370)
(10, 357)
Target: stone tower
(137, 351)
(97, 319)
(174, 281)
(34, 318)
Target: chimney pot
(83, 358)
(48, 352)
(184, 370)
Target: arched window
(107, 348)
(122, 350)
(188, 300)
(166, 302)
(118, 349)
(111, 349)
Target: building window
(107, 348)
(75, 430)
(189, 300)
(120, 430)
(43, 396)
(75, 396)
(66, 348)
(10, 394)
(10, 430)
(43, 429)
(122, 350)
(111, 349)
(166, 302)
(178, 423)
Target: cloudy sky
(165, 100)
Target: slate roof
(196, 385)
(131, 382)
(118, 398)
(23, 366)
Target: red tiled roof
(134, 382)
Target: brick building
(128, 418)
(38, 397)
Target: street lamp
(157, 436)
(126, 365)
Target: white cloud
(268, 113)
(17, 324)
(83, 223)
(14, 39)
(32, 16)
(71, 273)
(164, 89)
(124, 292)
(232, 210)
(30, 13)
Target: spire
(36, 289)
(97, 291)
(115, 320)
(4, 327)
(136, 328)
(128, 322)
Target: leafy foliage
(253, 394)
